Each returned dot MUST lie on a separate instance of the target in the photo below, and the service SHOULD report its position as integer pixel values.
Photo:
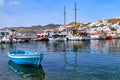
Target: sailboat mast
(75, 13)
(64, 15)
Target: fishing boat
(55, 34)
(25, 57)
(7, 36)
(41, 37)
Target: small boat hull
(58, 39)
(26, 58)
(26, 61)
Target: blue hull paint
(26, 61)
(25, 57)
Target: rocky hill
(114, 20)
(39, 29)
(106, 22)
(33, 29)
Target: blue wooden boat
(25, 57)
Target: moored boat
(95, 35)
(111, 35)
(25, 57)
(55, 34)
(7, 36)
(41, 37)
(74, 37)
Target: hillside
(39, 29)
(114, 20)
(33, 29)
(105, 22)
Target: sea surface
(71, 60)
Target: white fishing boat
(94, 35)
(55, 35)
(7, 36)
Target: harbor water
(70, 60)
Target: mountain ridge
(39, 29)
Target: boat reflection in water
(29, 72)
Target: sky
(26, 13)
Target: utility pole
(64, 15)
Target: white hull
(58, 39)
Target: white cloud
(13, 3)
(1, 2)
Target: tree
(112, 29)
